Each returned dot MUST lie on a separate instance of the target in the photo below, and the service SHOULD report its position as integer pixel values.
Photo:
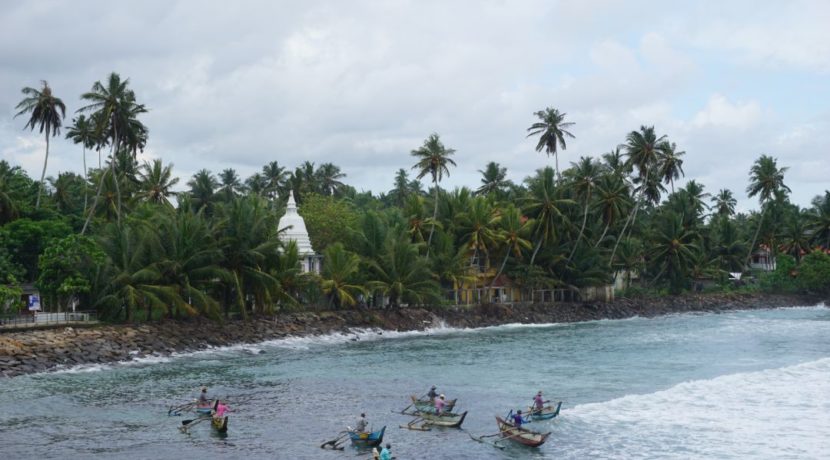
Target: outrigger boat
(521, 435)
(372, 439)
(446, 419)
(426, 405)
(220, 424)
(546, 413)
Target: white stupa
(294, 224)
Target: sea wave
(773, 413)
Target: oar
(333, 442)
(481, 439)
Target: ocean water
(748, 384)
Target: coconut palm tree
(724, 203)
(493, 179)
(82, 132)
(114, 109)
(818, 219)
(256, 184)
(584, 176)
(275, 177)
(478, 227)
(400, 191)
(339, 276)
(433, 159)
(612, 202)
(402, 275)
(512, 232)
(766, 180)
(230, 185)
(671, 165)
(673, 251)
(553, 129)
(202, 189)
(545, 205)
(156, 183)
(46, 112)
(328, 177)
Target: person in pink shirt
(219, 409)
(539, 402)
(439, 405)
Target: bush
(782, 279)
(814, 272)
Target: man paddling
(538, 402)
(203, 401)
(362, 424)
(518, 420)
(432, 394)
(440, 403)
(386, 453)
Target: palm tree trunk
(95, 201)
(114, 175)
(536, 251)
(43, 174)
(608, 224)
(85, 181)
(501, 269)
(755, 238)
(582, 229)
(434, 216)
(622, 232)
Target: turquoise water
(752, 384)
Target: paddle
(481, 439)
(333, 442)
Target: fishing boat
(445, 419)
(220, 424)
(521, 435)
(372, 439)
(546, 413)
(426, 405)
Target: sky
(362, 83)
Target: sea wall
(43, 350)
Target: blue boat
(372, 439)
(546, 413)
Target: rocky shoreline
(43, 350)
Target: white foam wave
(774, 413)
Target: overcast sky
(362, 83)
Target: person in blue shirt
(518, 420)
(385, 454)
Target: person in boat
(432, 394)
(440, 403)
(219, 410)
(375, 453)
(539, 402)
(203, 401)
(362, 424)
(386, 453)
(518, 420)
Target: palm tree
(513, 230)
(46, 111)
(115, 111)
(544, 205)
(673, 250)
(82, 132)
(478, 226)
(402, 275)
(766, 181)
(724, 203)
(818, 219)
(553, 130)
(671, 166)
(433, 159)
(156, 183)
(202, 188)
(338, 278)
(256, 184)
(584, 176)
(401, 191)
(612, 202)
(275, 177)
(230, 184)
(328, 177)
(493, 179)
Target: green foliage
(814, 272)
(67, 266)
(328, 220)
(782, 279)
(26, 239)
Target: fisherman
(362, 424)
(432, 394)
(219, 410)
(439, 405)
(203, 401)
(385, 454)
(538, 403)
(518, 420)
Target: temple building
(295, 230)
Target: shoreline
(38, 351)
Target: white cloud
(722, 114)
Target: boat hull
(372, 439)
(425, 405)
(547, 412)
(521, 436)
(446, 420)
(220, 424)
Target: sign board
(34, 303)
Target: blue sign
(34, 303)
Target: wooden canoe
(372, 439)
(521, 435)
(446, 419)
(425, 405)
(547, 412)
(220, 424)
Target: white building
(294, 224)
